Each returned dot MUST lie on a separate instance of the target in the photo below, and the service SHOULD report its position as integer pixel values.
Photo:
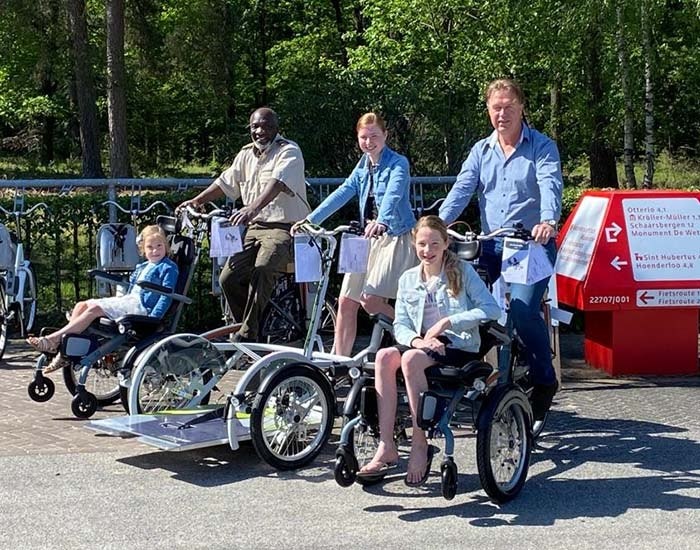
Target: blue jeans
(525, 303)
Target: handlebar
(19, 213)
(200, 215)
(137, 211)
(317, 231)
(515, 232)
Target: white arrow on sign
(617, 262)
(612, 232)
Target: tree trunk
(648, 182)
(85, 92)
(46, 74)
(116, 93)
(601, 156)
(628, 125)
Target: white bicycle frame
(16, 277)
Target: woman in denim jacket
(157, 268)
(381, 182)
(439, 307)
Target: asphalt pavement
(617, 467)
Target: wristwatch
(553, 223)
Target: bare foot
(417, 464)
(384, 457)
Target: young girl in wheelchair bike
(157, 269)
(439, 306)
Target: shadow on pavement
(621, 465)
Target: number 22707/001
(608, 299)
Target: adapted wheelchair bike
(113, 345)
(494, 401)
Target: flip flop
(432, 449)
(376, 475)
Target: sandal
(432, 449)
(57, 363)
(42, 344)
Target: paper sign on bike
(354, 254)
(307, 260)
(524, 262)
(226, 239)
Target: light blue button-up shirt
(524, 189)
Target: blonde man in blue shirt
(516, 174)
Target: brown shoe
(58, 362)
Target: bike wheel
(4, 313)
(504, 444)
(28, 307)
(292, 417)
(282, 320)
(102, 380)
(173, 374)
(326, 326)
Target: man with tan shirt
(268, 176)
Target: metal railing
(322, 186)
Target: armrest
(106, 276)
(165, 291)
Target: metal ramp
(176, 430)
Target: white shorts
(389, 257)
(118, 306)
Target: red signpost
(630, 260)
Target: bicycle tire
(292, 417)
(3, 319)
(504, 444)
(102, 381)
(28, 306)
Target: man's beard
(262, 147)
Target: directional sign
(670, 297)
(616, 245)
(612, 232)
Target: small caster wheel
(84, 405)
(449, 479)
(345, 471)
(41, 389)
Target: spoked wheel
(28, 308)
(365, 441)
(282, 321)
(4, 319)
(326, 327)
(292, 416)
(102, 379)
(504, 444)
(174, 374)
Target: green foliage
(197, 68)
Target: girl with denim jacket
(439, 307)
(157, 269)
(381, 182)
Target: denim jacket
(466, 311)
(164, 273)
(392, 188)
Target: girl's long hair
(450, 261)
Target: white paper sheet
(354, 254)
(307, 259)
(524, 262)
(226, 240)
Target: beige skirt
(389, 257)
